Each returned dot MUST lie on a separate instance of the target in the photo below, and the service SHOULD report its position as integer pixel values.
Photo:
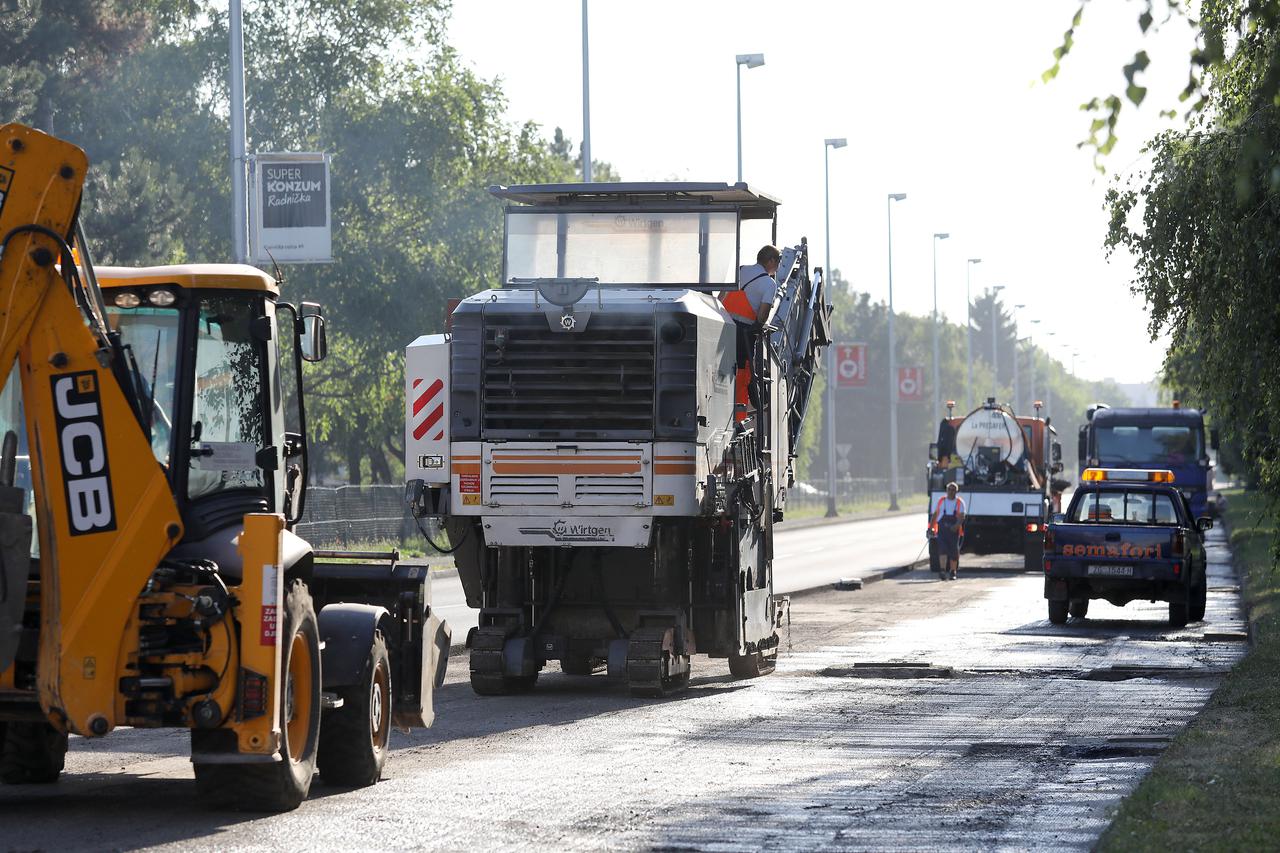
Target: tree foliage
(1203, 225)
(415, 136)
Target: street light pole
(893, 368)
(937, 406)
(586, 101)
(1031, 348)
(995, 352)
(827, 145)
(239, 195)
(1016, 400)
(751, 60)
(968, 328)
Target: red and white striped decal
(424, 422)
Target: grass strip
(1217, 787)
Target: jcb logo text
(82, 446)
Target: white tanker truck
(1003, 466)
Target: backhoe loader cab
(143, 436)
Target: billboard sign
(289, 209)
(910, 384)
(851, 365)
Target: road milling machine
(144, 441)
(609, 504)
(1003, 466)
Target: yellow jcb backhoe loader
(143, 437)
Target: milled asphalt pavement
(913, 714)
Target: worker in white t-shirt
(757, 283)
(750, 306)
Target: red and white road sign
(910, 384)
(851, 365)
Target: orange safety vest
(736, 303)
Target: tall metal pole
(586, 100)
(1031, 357)
(937, 406)
(738, 67)
(827, 145)
(239, 195)
(1016, 400)
(893, 367)
(995, 352)
(968, 329)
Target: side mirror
(1204, 522)
(1214, 438)
(1057, 451)
(933, 451)
(311, 340)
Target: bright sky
(940, 100)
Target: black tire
(753, 665)
(1079, 608)
(581, 665)
(354, 738)
(1058, 612)
(1178, 613)
(33, 753)
(1199, 600)
(282, 785)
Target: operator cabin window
(641, 247)
(227, 407)
(152, 336)
(1125, 508)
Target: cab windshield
(1149, 446)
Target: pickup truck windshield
(1149, 445)
(637, 247)
(1124, 507)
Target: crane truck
(144, 441)
(609, 504)
(1003, 466)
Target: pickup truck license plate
(1110, 571)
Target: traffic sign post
(910, 384)
(851, 365)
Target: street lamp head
(941, 236)
(1020, 306)
(751, 60)
(836, 143)
(997, 288)
(975, 260)
(897, 196)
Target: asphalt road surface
(912, 714)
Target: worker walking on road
(948, 520)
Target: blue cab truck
(1128, 535)
(1170, 439)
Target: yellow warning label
(664, 500)
(470, 500)
(84, 383)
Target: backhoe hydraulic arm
(103, 506)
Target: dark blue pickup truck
(1128, 535)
